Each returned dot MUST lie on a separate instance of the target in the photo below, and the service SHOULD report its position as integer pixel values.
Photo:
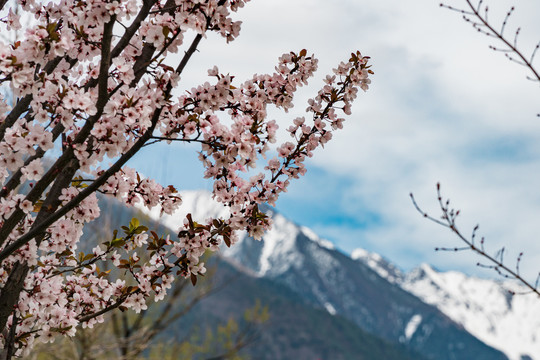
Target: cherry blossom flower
(91, 92)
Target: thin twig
(449, 221)
(483, 23)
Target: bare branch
(480, 13)
(448, 220)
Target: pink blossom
(84, 116)
(34, 170)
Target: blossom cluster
(90, 84)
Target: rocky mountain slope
(324, 278)
(295, 330)
(485, 308)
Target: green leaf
(166, 31)
(104, 273)
(37, 205)
(89, 256)
(141, 229)
(118, 242)
(134, 223)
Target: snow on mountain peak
(278, 253)
(277, 250)
(377, 263)
(199, 203)
(484, 307)
(310, 234)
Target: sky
(442, 107)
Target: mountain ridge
(296, 330)
(354, 287)
(486, 308)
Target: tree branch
(448, 220)
(484, 23)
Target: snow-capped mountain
(296, 330)
(368, 291)
(485, 308)
(380, 265)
